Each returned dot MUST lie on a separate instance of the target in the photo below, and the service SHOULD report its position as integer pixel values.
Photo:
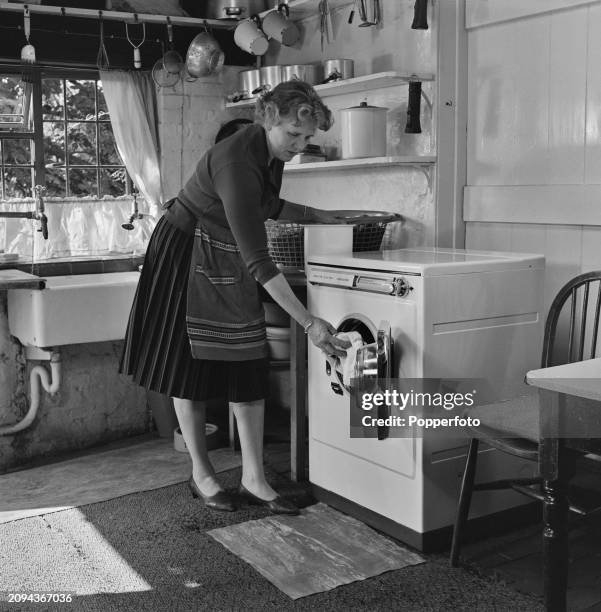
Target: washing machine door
(373, 367)
(371, 362)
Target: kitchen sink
(73, 309)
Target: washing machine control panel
(358, 280)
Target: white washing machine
(451, 314)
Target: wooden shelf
(364, 162)
(356, 84)
(301, 9)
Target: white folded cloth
(347, 363)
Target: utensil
(102, 58)
(172, 60)
(137, 57)
(413, 109)
(277, 25)
(310, 73)
(363, 131)
(162, 77)
(250, 38)
(270, 77)
(336, 69)
(225, 9)
(325, 23)
(375, 20)
(28, 51)
(351, 16)
(420, 15)
(249, 80)
(204, 56)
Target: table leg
(555, 545)
(555, 503)
(298, 401)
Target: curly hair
(294, 98)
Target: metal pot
(310, 73)
(230, 9)
(249, 81)
(336, 69)
(204, 56)
(270, 76)
(363, 131)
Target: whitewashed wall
(534, 141)
(190, 114)
(391, 46)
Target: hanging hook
(102, 58)
(64, 18)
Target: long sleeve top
(235, 186)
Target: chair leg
(465, 498)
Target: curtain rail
(118, 15)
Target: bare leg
(250, 417)
(191, 417)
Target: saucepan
(337, 69)
(249, 81)
(310, 73)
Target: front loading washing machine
(444, 314)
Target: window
(15, 99)
(75, 153)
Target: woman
(197, 328)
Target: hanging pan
(204, 56)
(161, 76)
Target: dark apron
(225, 317)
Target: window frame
(35, 74)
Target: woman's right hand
(321, 333)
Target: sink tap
(135, 215)
(37, 214)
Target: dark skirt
(157, 350)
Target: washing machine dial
(401, 287)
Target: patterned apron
(225, 317)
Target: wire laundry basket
(286, 241)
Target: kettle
(204, 56)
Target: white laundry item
(347, 363)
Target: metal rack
(122, 16)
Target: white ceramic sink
(72, 309)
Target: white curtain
(131, 101)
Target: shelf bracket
(427, 100)
(426, 169)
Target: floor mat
(99, 477)
(314, 552)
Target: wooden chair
(571, 334)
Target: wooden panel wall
(534, 132)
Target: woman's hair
(231, 127)
(295, 99)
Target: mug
(249, 37)
(277, 25)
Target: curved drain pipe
(51, 383)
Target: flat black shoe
(220, 501)
(279, 505)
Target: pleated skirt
(157, 352)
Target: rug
(98, 477)
(314, 552)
